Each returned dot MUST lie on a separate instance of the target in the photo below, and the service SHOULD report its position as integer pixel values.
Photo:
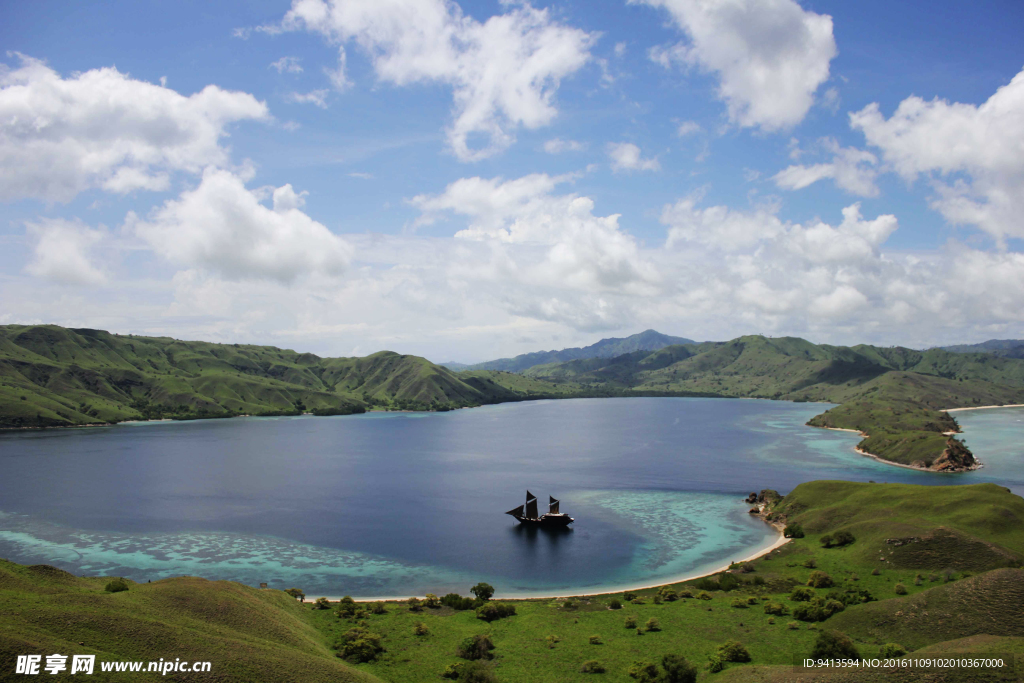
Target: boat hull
(547, 520)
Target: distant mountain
(1008, 348)
(648, 340)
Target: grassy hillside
(246, 634)
(53, 376)
(895, 395)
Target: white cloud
(222, 227)
(61, 251)
(287, 64)
(620, 49)
(103, 129)
(688, 128)
(504, 71)
(770, 55)
(853, 170)
(558, 145)
(361, 175)
(719, 226)
(973, 154)
(317, 97)
(625, 156)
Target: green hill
(53, 376)
(648, 340)
(247, 634)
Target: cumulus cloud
(223, 227)
(568, 246)
(625, 156)
(973, 154)
(504, 71)
(770, 55)
(851, 169)
(61, 251)
(101, 128)
(558, 145)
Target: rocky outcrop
(956, 458)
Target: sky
(472, 180)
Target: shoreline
(778, 543)
(912, 467)
(1009, 405)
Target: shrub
(900, 589)
(685, 593)
(834, 645)
(644, 672)
(652, 625)
(876, 571)
(728, 582)
(452, 670)
(715, 664)
(551, 640)
(295, 592)
(477, 672)
(116, 586)
(843, 537)
(759, 581)
(810, 563)
(475, 647)
(592, 666)
(628, 595)
(457, 602)
(733, 651)
(322, 603)
(347, 607)
(657, 599)
(818, 609)
(379, 608)
(360, 645)
(852, 596)
(777, 608)
(703, 595)
(677, 669)
(793, 625)
(569, 604)
(614, 604)
(892, 650)
(490, 611)
(793, 530)
(771, 620)
(595, 640)
(918, 579)
(706, 584)
(820, 580)
(751, 600)
(747, 568)
(801, 594)
(431, 601)
(668, 594)
(933, 577)
(482, 591)
(637, 601)
(826, 540)
(420, 629)
(630, 621)
(739, 603)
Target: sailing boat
(527, 514)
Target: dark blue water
(393, 504)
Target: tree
(414, 604)
(295, 592)
(482, 591)
(360, 645)
(819, 579)
(834, 645)
(116, 586)
(733, 651)
(793, 530)
(644, 672)
(491, 611)
(431, 601)
(322, 603)
(890, 650)
(475, 647)
(678, 669)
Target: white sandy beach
(1012, 405)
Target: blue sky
(477, 179)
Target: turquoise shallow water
(400, 504)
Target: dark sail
(516, 512)
(531, 508)
(552, 505)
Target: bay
(398, 504)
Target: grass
(247, 634)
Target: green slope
(246, 634)
(53, 376)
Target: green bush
(776, 608)
(826, 540)
(644, 672)
(900, 589)
(415, 605)
(452, 671)
(820, 580)
(759, 581)
(733, 651)
(677, 669)
(801, 594)
(892, 650)
(834, 645)
(592, 666)
(630, 621)
(347, 607)
(475, 647)
(420, 629)
(116, 586)
(685, 593)
(668, 594)
(482, 591)
(739, 603)
(793, 530)
(628, 595)
(704, 595)
(842, 537)
(360, 645)
(379, 608)
(652, 625)
(818, 609)
(491, 611)
(595, 640)
(431, 601)
(322, 603)
(793, 625)
(457, 602)
(810, 563)
(728, 582)
(614, 604)
(295, 592)
(477, 672)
